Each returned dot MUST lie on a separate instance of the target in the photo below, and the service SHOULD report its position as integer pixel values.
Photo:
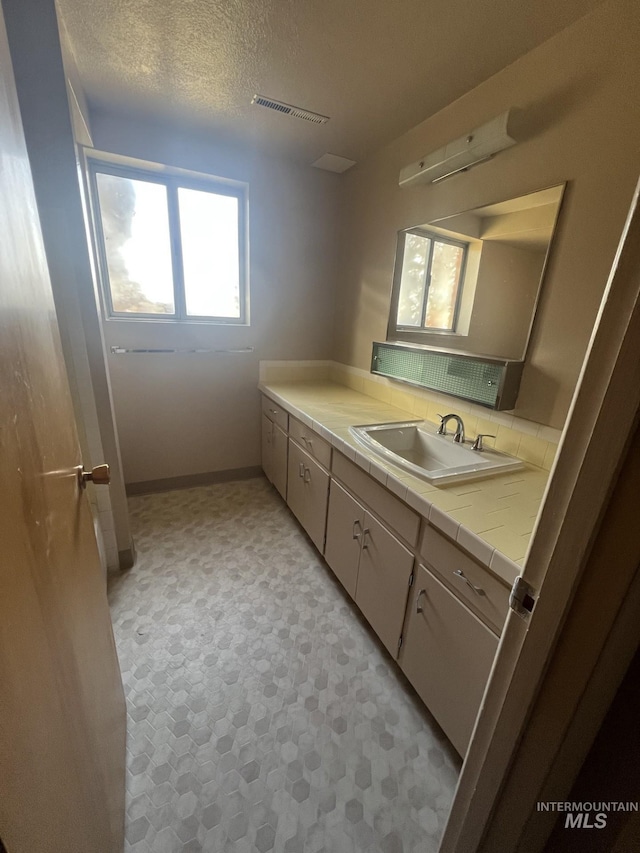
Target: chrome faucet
(477, 444)
(459, 433)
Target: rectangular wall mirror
(471, 282)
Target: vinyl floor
(263, 714)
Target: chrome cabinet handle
(307, 441)
(477, 589)
(365, 533)
(419, 607)
(356, 523)
(307, 475)
(274, 411)
(301, 470)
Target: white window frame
(417, 333)
(172, 180)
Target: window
(169, 248)
(427, 282)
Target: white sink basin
(417, 448)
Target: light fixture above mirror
(469, 150)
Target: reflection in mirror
(472, 281)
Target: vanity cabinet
(275, 422)
(307, 493)
(370, 562)
(447, 653)
(274, 455)
(436, 609)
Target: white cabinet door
(279, 453)
(383, 582)
(345, 523)
(274, 454)
(295, 481)
(447, 654)
(267, 448)
(307, 493)
(316, 486)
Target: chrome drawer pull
(307, 441)
(419, 607)
(307, 475)
(477, 589)
(356, 523)
(365, 533)
(274, 411)
(301, 470)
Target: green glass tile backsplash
(469, 378)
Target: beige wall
(508, 280)
(190, 414)
(583, 126)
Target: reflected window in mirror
(431, 272)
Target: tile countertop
(492, 518)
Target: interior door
(62, 712)
(579, 488)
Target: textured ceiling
(376, 67)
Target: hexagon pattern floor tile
(263, 714)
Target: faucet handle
(442, 429)
(477, 444)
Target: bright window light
(430, 282)
(169, 249)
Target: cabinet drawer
(275, 413)
(396, 515)
(312, 443)
(445, 559)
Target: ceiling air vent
(288, 109)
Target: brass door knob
(100, 475)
